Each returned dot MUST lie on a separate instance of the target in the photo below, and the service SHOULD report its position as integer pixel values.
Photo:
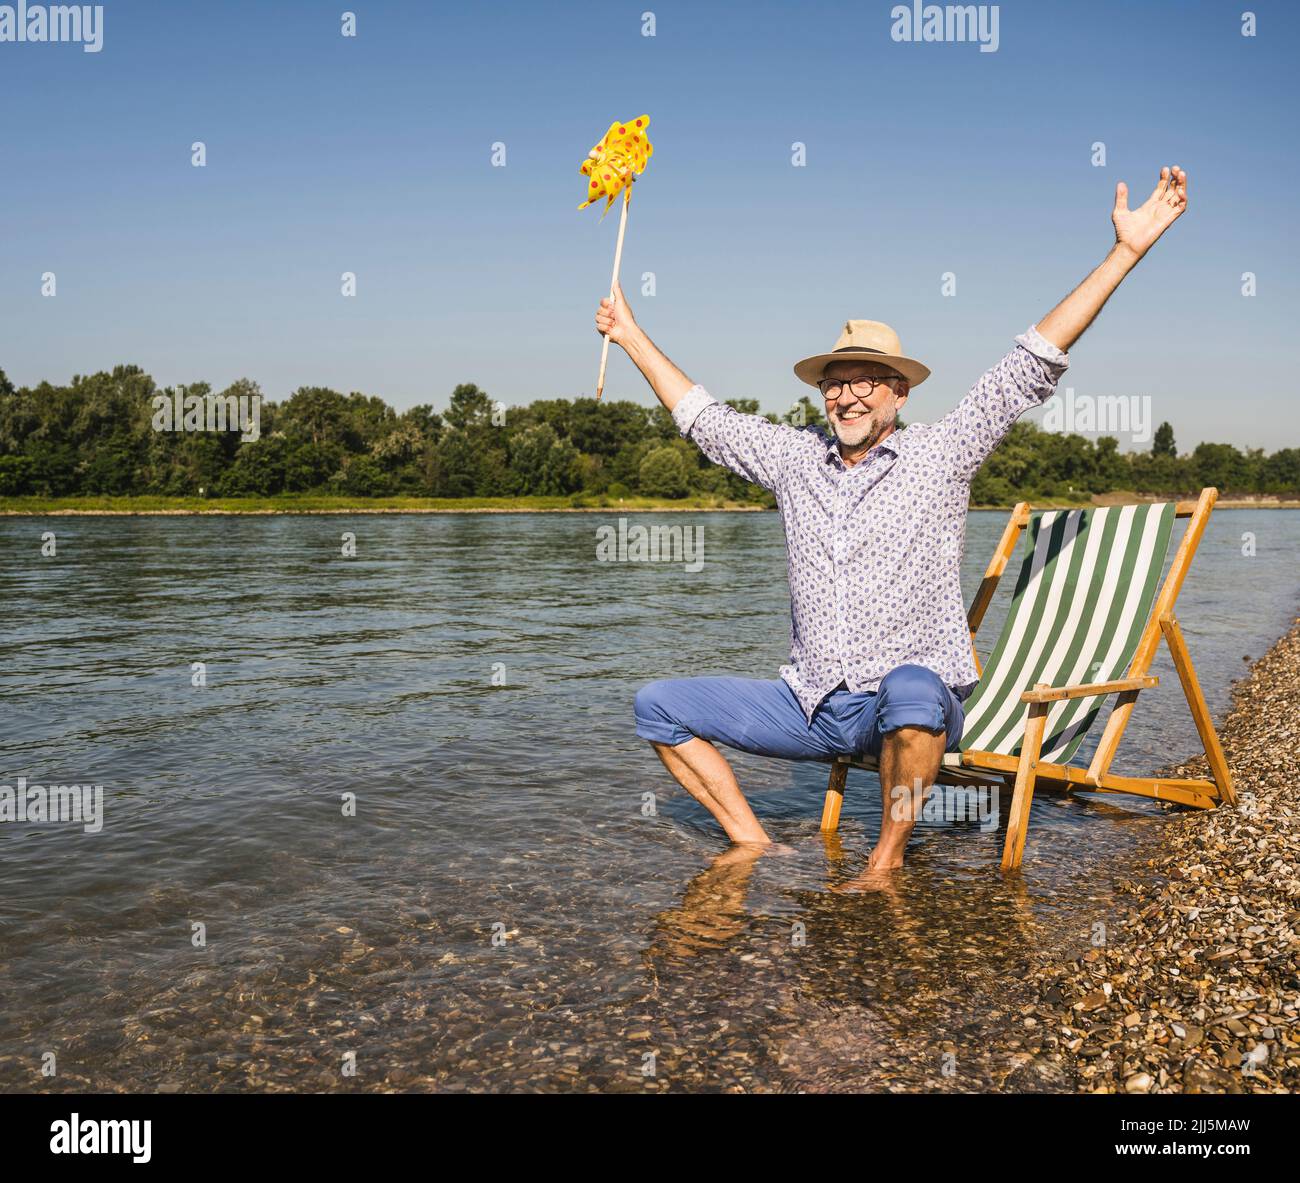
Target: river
(403, 835)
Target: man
(874, 522)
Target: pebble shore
(1197, 990)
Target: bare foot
(881, 874)
(880, 861)
(740, 852)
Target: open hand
(615, 318)
(1138, 228)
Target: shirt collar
(889, 444)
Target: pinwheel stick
(618, 258)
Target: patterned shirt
(874, 551)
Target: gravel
(1197, 990)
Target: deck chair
(1087, 615)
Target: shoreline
(7, 508)
(1197, 989)
(265, 513)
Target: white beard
(863, 432)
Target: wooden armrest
(1087, 689)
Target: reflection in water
(900, 990)
(499, 913)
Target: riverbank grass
(332, 503)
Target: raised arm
(666, 380)
(1027, 376)
(749, 445)
(1136, 230)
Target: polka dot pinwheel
(612, 166)
(622, 152)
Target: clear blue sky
(372, 155)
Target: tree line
(97, 436)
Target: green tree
(424, 421)
(258, 469)
(470, 408)
(542, 463)
(320, 415)
(364, 476)
(1111, 470)
(1280, 473)
(371, 418)
(459, 469)
(1220, 465)
(309, 466)
(663, 474)
(96, 435)
(602, 428)
(15, 475)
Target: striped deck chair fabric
(1081, 601)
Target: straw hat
(868, 340)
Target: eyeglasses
(861, 387)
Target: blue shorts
(765, 718)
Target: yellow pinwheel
(612, 166)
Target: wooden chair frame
(1027, 771)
